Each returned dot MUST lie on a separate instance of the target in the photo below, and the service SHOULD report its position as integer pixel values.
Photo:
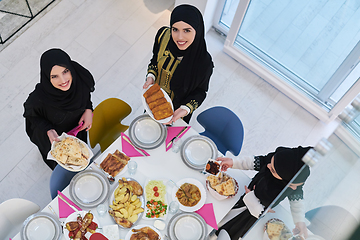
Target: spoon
(109, 177)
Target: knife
(136, 148)
(70, 205)
(171, 141)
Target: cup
(176, 145)
(101, 209)
(173, 207)
(132, 166)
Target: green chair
(106, 125)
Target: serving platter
(197, 150)
(89, 188)
(146, 133)
(130, 232)
(72, 218)
(41, 226)
(187, 226)
(146, 106)
(69, 167)
(141, 198)
(202, 191)
(164, 181)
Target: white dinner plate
(197, 150)
(146, 106)
(187, 226)
(41, 226)
(146, 133)
(202, 191)
(72, 218)
(141, 198)
(164, 181)
(68, 167)
(130, 232)
(89, 188)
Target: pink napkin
(129, 150)
(74, 131)
(207, 213)
(172, 132)
(64, 209)
(97, 236)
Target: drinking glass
(176, 145)
(173, 207)
(101, 209)
(132, 166)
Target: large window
(312, 45)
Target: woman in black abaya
(181, 64)
(59, 103)
(276, 170)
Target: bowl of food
(275, 229)
(222, 186)
(212, 167)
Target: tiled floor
(113, 39)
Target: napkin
(172, 132)
(74, 131)
(97, 236)
(207, 213)
(130, 150)
(64, 209)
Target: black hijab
(196, 60)
(82, 82)
(287, 162)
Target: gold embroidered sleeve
(193, 105)
(153, 69)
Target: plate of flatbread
(157, 103)
(71, 153)
(275, 229)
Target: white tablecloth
(164, 165)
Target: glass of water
(176, 145)
(132, 166)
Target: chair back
(59, 179)
(106, 125)
(13, 213)
(223, 127)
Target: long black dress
(183, 74)
(50, 108)
(267, 189)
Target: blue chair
(59, 179)
(224, 128)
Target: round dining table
(161, 164)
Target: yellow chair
(106, 126)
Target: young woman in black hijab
(181, 64)
(60, 102)
(276, 169)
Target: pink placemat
(129, 150)
(207, 213)
(64, 209)
(172, 132)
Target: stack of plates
(146, 133)
(89, 188)
(41, 226)
(187, 226)
(197, 150)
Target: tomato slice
(155, 189)
(156, 194)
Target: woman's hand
(300, 226)
(179, 113)
(53, 136)
(86, 118)
(149, 81)
(225, 163)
